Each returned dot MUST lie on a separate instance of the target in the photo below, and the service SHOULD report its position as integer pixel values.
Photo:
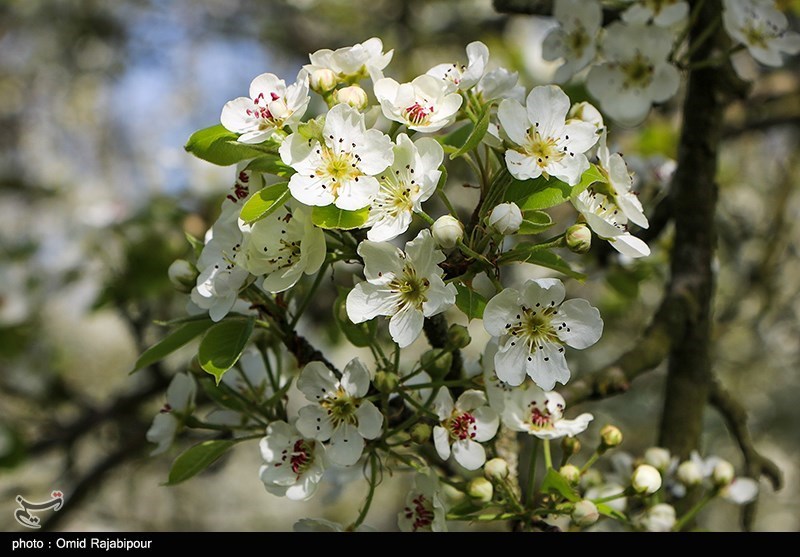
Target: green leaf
(359, 334)
(270, 164)
(458, 137)
(556, 484)
(476, 135)
(470, 302)
(331, 217)
(264, 202)
(196, 243)
(591, 176)
(534, 222)
(196, 459)
(219, 146)
(527, 252)
(610, 512)
(223, 344)
(172, 342)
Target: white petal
(424, 255)
(584, 326)
(573, 427)
(443, 403)
(310, 191)
(313, 422)
(346, 445)
(316, 381)
(370, 420)
(181, 390)
(441, 296)
(630, 245)
(486, 423)
(469, 454)
(547, 105)
(380, 258)
(547, 366)
(582, 135)
(513, 120)
(548, 292)
(522, 166)
(296, 149)
(355, 378)
(499, 311)
(366, 301)
(405, 326)
(162, 432)
(265, 84)
(441, 440)
(741, 491)
(234, 115)
(665, 83)
(509, 362)
(375, 151)
(470, 400)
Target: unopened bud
(420, 433)
(586, 112)
(585, 513)
(353, 95)
(458, 335)
(496, 469)
(182, 275)
(570, 445)
(646, 479)
(610, 437)
(570, 473)
(480, 489)
(506, 218)
(689, 473)
(322, 80)
(723, 473)
(658, 457)
(447, 231)
(659, 518)
(437, 362)
(579, 238)
(386, 381)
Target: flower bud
(436, 362)
(481, 489)
(610, 437)
(447, 231)
(646, 479)
(353, 95)
(496, 469)
(458, 335)
(420, 433)
(506, 218)
(659, 518)
(689, 473)
(723, 473)
(585, 513)
(570, 445)
(322, 80)
(570, 473)
(182, 275)
(658, 457)
(386, 381)
(579, 238)
(586, 112)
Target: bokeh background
(96, 193)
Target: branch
(436, 331)
(543, 7)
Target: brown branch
(542, 7)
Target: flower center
(539, 419)
(341, 407)
(302, 456)
(534, 327)
(462, 426)
(638, 72)
(577, 41)
(410, 288)
(418, 114)
(262, 112)
(397, 194)
(544, 149)
(421, 514)
(454, 73)
(604, 207)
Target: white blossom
(663, 13)
(282, 247)
(407, 286)
(500, 83)
(447, 231)
(180, 401)
(646, 479)
(505, 218)
(424, 105)
(271, 106)
(352, 63)
(404, 186)
(740, 490)
(636, 73)
(293, 465)
(545, 144)
(658, 518)
(459, 76)
(759, 26)
(574, 40)
(463, 427)
(424, 510)
(533, 325)
(541, 413)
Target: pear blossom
(461, 77)
(220, 277)
(663, 13)
(282, 246)
(720, 473)
(407, 286)
(180, 400)
(352, 63)
(533, 325)
(341, 168)
(575, 38)
(463, 427)
(500, 83)
(271, 106)
(447, 231)
(293, 465)
(646, 479)
(338, 411)
(545, 144)
(424, 510)
(632, 79)
(249, 378)
(541, 413)
(404, 186)
(505, 218)
(758, 25)
(497, 391)
(658, 518)
(425, 105)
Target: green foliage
(534, 222)
(542, 193)
(476, 134)
(331, 217)
(196, 459)
(219, 146)
(264, 202)
(270, 164)
(470, 302)
(223, 344)
(555, 483)
(172, 342)
(528, 252)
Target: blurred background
(96, 193)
